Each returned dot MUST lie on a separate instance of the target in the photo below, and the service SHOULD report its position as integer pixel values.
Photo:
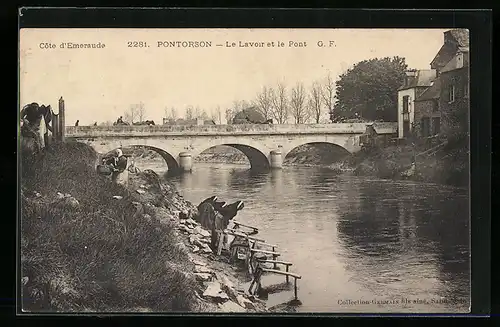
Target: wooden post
(62, 119)
(55, 127)
(287, 280)
(274, 258)
(221, 241)
(295, 289)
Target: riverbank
(89, 245)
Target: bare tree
(197, 112)
(264, 103)
(279, 104)
(315, 102)
(203, 115)
(328, 94)
(229, 115)
(141, 112)
(131, 114)
(217, 115)
(298, 107)
(189, 113)
(173, 113)
(166, 113)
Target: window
(436, 125)
(424, 126)
(452, 93)
(406, 100)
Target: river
(360, 244)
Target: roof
(454, 40)
(423, 78)
(250, 115)
(432, 92)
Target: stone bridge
(265, 145)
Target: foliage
(369, 89)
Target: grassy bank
(95, 253)
(89, 245)
(448, 165)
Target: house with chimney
(435, 106)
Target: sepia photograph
(183, 170)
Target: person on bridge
(77, 122)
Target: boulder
(183, 228)
(201, 231)
(117, 197)
(214, 292)
(196, 249)
(199, 263)
(206, 249)
(202, 269)
(230, 306)
(244, 302)
(204, 277)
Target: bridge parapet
(239, 129)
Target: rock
(60, 195)
(204, 277)
(202, 269)
(191, 222)
(184, 229)
(206, 249)
(230, 306)
(140, 191)
(201, 231)
(192, 239)
(118, 197)
(196, 249)
(146, 217)
(228, 287)
(215, 292)
(142, 186)
(199, 263)
(245, 303)
(37, 195)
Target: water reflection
(350, 237)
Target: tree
(279, 104)
(197, 112)
(141, 112)
(217, 115)
(189, 113)
(370, 89)
(298, 108)
(166, 113)
(229, 115)
(131, 114)
(264, 103)
(315, 102)
(328, 96)
(173, 113)
(203, 115)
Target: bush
(101, 256)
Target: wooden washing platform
(253, 259)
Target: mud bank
(89, 245)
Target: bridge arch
(257, 158)
(328, 151)
(170, 160)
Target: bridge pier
(185, 161)
(276, 159)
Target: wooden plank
(241, 234)
(266, 252)
(248, 226)
(281, 273)
(276, 261)
(265, 244)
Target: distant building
(379, 134)
(426, 112)
(249, 116)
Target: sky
(99, 85)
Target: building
(379, 134)
(441, 102)
(416, 83)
